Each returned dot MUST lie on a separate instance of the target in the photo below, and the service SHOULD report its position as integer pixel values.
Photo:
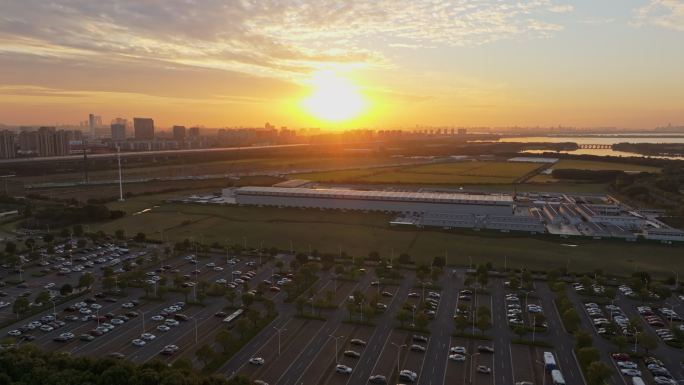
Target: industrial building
(559, 214)
(387, 201)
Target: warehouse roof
(408, 196)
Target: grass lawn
(451, 173)
(591, 165)
(359, 233)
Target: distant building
(62, 139)
(118, 132)
(144, 128)
(7, 147)
(179, 133)
(194, 132)
(46, 141)
(462, 131)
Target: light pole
(279, 330)
(472, 360)
(543, 372)
(636, 338)
(143, 321)
(676, 278)
(97, 316)
(534, 327)
(399, 347)
(54, 308)
(195, 319)
(335, 338)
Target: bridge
(589, 146)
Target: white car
(256, 361)
(116, 321)
(218, 268)
(631, 372)
(408, 375)
(163, 328)
(47, 328)
(457, 357)
(128, 305)
(14, 333)
(458, 350)
(627, 364)
(344, 369)
(138, 342)
(171, 322)
(148, 336)
(157, 318)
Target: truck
(549, 361)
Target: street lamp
(472, 359)
(143, 321)
(54, 310)
(543, 371)
(335, 338)
(399, 347)
(279, 330)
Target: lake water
(607, 139)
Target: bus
(232, 317)
(549, 361)
(557, 377)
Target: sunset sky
(344, 64)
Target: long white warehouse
(389, 201)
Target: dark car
(377, 379)
(485, 349)
(351, 353)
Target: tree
(231, 296)
(140, 237)
(225, 339)
(438, 262)
(270, 307)
(66, 289)
(47, 238)
(587, 355)
(571, 320)
(42, 298)
(403, 316)
(81, 243)
(647, 341)
(404, 259)
(86, 280)
(598, 372)
(254, 317)
(247, 299)
(78, 230)
(21, 305)
(10, 247)
(242, 326)
(299, 303)
(119, 234)
(461, 323)
(205, 354)
(351, 308)
(621, 343)
(582, 339)
(421, 321)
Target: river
(607, 139)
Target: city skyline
(360, 64)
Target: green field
(591, 165)
(452, 173)
(359, 233)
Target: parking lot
(333, 341)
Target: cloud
(282, 38)
(663, 13)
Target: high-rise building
(62, 139)
(179, 133)
(144, 128)
(194, 132)
(7, 147)
(46, 141)
(118, 132)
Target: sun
(334, 98)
